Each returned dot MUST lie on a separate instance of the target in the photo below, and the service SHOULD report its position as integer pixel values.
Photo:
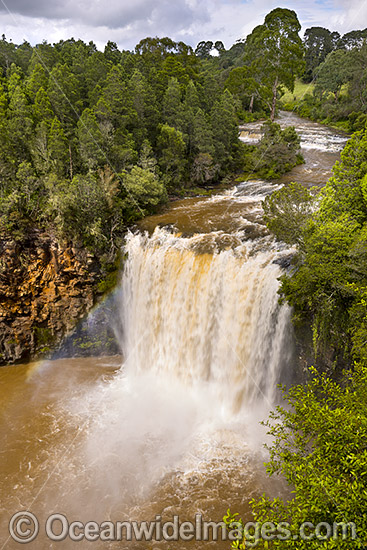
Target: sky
(126, 22)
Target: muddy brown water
(174, 431)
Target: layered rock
(45, 288)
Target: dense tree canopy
(337, 66)
(72, 117)
(68, 111)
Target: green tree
(242, 83)
(112, 53)
(189, 122)
(42, 108)
(333, 73)
(147, 161)
(93, 145)
(143, 191)
(357, 79)
(96, 69)
(116, 104)
(38, 79)
(145, 106)
(277, 152)
(204, 48)
(3, 104)
(203, 168)
(319, 42)
(64, 95)
(288, 211)
(44, 54)
(7, 54)
(15, 77)
(172, 111)
(39, 146)
(21, 205)
(20, 122)
(171, 147)
(58, 148)
(275, 50)
(80, 209)
(353, 39)
(202, 139)
(173, 68)
(224, 128)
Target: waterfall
(211, 319)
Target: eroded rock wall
(45, 288)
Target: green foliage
(333, 73)
(329, 283)
(319, 42)
(172, 106)
(274, 52)
(58, 148)
(143, 189)
(172, 148)
(277, 152)
(92, 140)
(320, 448)
(364, 188)
(43, 336)
(288, 211)
(242, 83)
(225, 129)
(339, 95)
(79, 209)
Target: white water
(210, 320)
(313, 135)
(204, 343)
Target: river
(176, 430)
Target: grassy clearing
(300, 90)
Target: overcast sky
(126, 22)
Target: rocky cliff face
(45, 288)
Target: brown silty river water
(173, 429)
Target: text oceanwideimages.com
(24, 527)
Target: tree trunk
(71, 163)
(274, 103)
(251, 103)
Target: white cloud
(126, 22)
(352, 14)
